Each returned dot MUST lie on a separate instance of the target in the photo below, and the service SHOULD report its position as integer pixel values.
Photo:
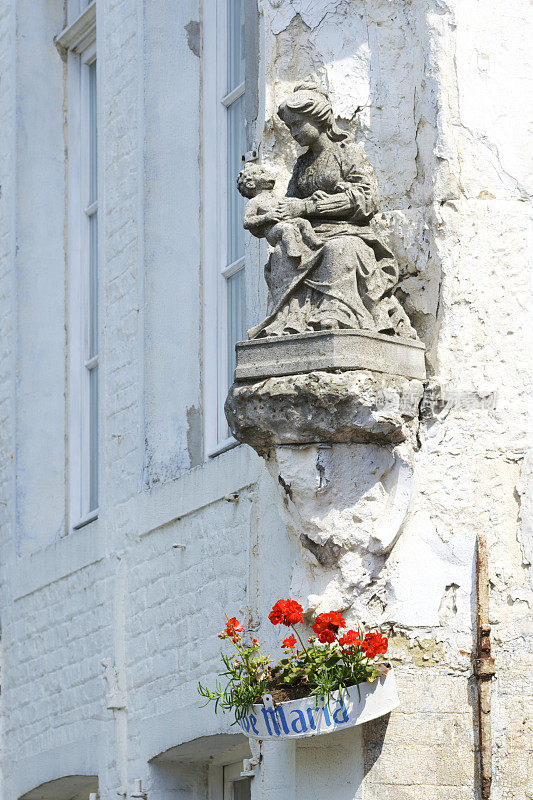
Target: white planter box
(297, 719)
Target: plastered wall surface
(106, 631)
(40, 203)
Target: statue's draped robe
(348, 281)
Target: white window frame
(223, 779)
(232, 774)
(215, 269)
(79, 41)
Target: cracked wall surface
(429, 89)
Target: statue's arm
(293, 204)
(359, 185)
(332, 206)
(255, 220)
(256, 223)
(355, 194)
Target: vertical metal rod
(483, 667)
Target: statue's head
(307, 112)
(254, 178)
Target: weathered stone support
(356, 406)
(340, 447)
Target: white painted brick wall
(53, 657)
(178, 598)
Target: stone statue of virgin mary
(327, 269)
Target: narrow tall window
(232, 267)
(79, 39)
(91, 312)
(224, 144)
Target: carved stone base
(351, 406)
(346, 504)
(329, 350)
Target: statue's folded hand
(271, 217)
(333, 204)
(320, 195)
(289, 207)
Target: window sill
(223, 447)
(90, 517)
(67, 555)
(215, 479)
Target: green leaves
(246, 673)
(322, 667)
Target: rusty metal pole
(483, 667)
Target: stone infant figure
(262, 219)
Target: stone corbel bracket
(340, 446)
(355, 406)
(346, 504)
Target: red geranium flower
(327, 625)
(350, 639)
(232, 630)
(374, 644)
(286, 612)
(289, 642)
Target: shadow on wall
(70, 787)
(202, 768)
(178, 781)
(194, 770)
(374, 733)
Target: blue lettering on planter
(277, 723)
(270, 717)
(281, 717)
(301, 727)
(312, 723)
(340, 707)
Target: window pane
(236, 305)
(93, 177)
(236, 147)
(235, 43)
(242, 789)
(93, 286)
(93, 438)
(92, 310)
